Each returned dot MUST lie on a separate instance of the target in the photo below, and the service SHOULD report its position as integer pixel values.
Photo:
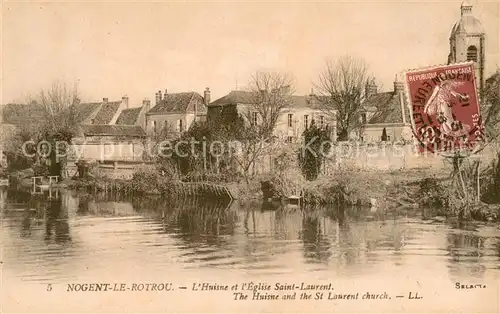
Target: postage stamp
(444, 106)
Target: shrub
(40, 169)
(311, 159)
(491, 192)
(432, 194)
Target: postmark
(444, 107)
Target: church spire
(466, 8)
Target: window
(289, 139)
(108, 150)
(254, 118)
(154, 126)
(181, 126)
(306, 121)
(472, 53)
(290, 120)
(321, 121)
(363, 118)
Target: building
(108, 143)
(135, 116)
(175, 112)
(385, 115)
(103, 130)
(293, 120)
(467, 43)
(97, 134)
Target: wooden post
(478, 182)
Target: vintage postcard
(250, 157)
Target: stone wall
(378, 157)
(116, 170)
(387, 156)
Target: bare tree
(270, 94)
(490, 105)
(251, 150)
(59, 123)
(59, 107)
(341, 88)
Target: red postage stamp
(445, 108)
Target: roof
(467, 23)
(233, 98)
(112, 130)
(19, 114)
(85, 110)
(179, 103)
(388, 106)
(129, 116)
(106, 113)
(236, 97)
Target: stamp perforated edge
(416, 70)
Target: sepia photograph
(250, 156)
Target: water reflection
(72, 235)
(56, 225)
(204, 223)
(316, 240)
(466, 252)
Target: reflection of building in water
(56, 224)
(3, 198)
(317, 243)
(466, 252)
(200, 223)
(103, 208)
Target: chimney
(105, 100)
(371, 88)
(146, 103)
(263, 94)
(158, 97)
(398, 86)
(311, 98)
(165, 96)
(125, 100)
(206, 96)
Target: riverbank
(379, 190)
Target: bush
(311, 159)
(221, 177)
(40, 169)
(341, 190)
(147, 182)
(491, 193)
(432, 194)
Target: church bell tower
(467, 43)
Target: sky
(112, 49)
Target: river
(73, 238)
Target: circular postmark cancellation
(444, 107)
